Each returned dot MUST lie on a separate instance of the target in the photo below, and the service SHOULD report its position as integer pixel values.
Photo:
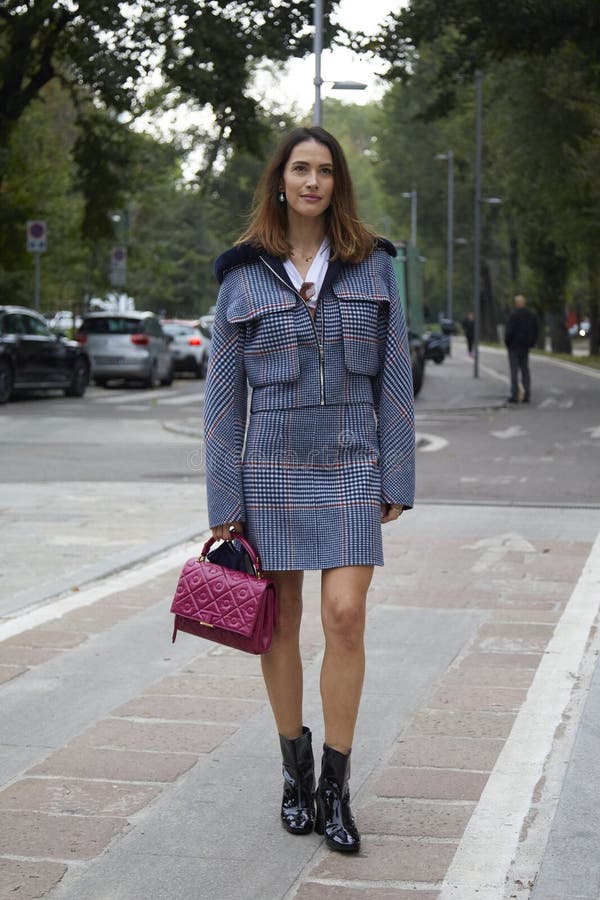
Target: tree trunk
(560, 340)
(594, 285)
(488, 330)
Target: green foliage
(204, 51)
(541, 133)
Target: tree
(203, 51)
(542, 72)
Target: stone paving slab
(461, 723)
(28, 880)
(189, 709)
(193, 683)
(36, 834)
(390, 859)
(420, 782)
(473, 697)
(446, 752)
(158, 737)
(411, 818)
(488, 676)
(77, 796)
(506, 637)
(115, 765)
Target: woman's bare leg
(282, 665)
(343, 605)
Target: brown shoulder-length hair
(350, 240)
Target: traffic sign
(36, 236)
(118, 266)
(118, 258)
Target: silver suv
(130, 346)
(190, 345)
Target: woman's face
(308, 179)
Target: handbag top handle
(252, 553)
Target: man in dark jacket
(521, 335)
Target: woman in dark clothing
(309, 316)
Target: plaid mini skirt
(312, 487)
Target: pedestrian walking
(308, 315)
(468, 324)
(520, 336)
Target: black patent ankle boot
(334, 816)
(298, 805)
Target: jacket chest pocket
(271, 349)
(360, 334)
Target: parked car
(63, 321)
(437, 346)
(130, 346)
(33, 358)
(580, 329)
(189, 346)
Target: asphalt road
(475, 447)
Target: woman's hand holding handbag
(228, 605)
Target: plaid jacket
(356, 352)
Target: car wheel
(100, 382)
(418, 367)
(6, 380)
(80, 379)
(153, 380)
(168, 381)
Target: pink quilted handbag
(220, 604)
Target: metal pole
(413, 217)
(318, 49)
(449, 310)
(36, 281)
(477, 225)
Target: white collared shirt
(315, 275)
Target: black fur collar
(246, 253)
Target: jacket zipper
(320, 343)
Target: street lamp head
(493, 201)
(348, 85)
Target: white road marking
(120, 581)
(133, 396)
(429, 443)
(136, 407)
(493, 374)
(594, 432)
(182, 400)
(511, 432)
(488, 846)
(552, 401)
(497, 547)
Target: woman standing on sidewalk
(309, 316)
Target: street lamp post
(477, 222)
(318, 80)
(450, 231)
(413, 215)
(318, 49)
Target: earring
(281, 197)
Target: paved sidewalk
(133, 769)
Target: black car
(34, 358)
(437, 346)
